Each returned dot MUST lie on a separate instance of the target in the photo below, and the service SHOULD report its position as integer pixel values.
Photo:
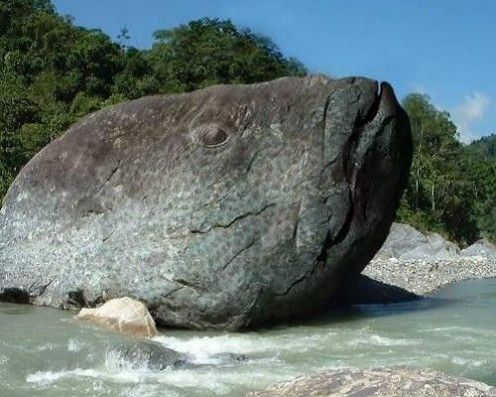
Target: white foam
(459, 329)
(74, 345)
(3, 359)
(44, 347)
(49, 377)
(214, 381)
(378, 340)
(115, 368)
(466, 361)
(44, 377)
(201, 349)
(211, 345)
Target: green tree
(16, 110)
(136, 78)
(53, 73)
(439, 194)
(212, 51)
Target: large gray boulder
(404, 242)
(222, 208)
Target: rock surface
(223, 208)
(123, 315)
(152, 355)
(481, 248)
(419, 263)
(406, 243)
(383, 382)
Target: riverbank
(423, 277)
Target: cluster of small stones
(422, 277)
(380, 382)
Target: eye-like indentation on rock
(212, 135)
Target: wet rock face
(380, 382)
(227, 207)
(152, 355)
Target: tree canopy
(451, 185)
(52, 73)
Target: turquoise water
(43, 352)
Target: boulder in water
(123, 315)
(152, 355)
(223, 208)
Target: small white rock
(124, 315)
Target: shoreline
(424, 277)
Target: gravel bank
(422, 277)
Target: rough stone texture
(406, 243)
(152, 355)
(123, 315)
(419, 263)
(223, 208)
(481, 248)
(383, 382)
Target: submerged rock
(223, 208)
(381, 382)
(123, 315)
(229, 357)
(152, 355)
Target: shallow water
(44, 353)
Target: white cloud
(470, 111)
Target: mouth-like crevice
(371, 112)
(370, 118)
(379, 110)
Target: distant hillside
(485, 146)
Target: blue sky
(444, 48)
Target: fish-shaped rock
(223, 208)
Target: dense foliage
(53, 73)
(452, 186)
(484, 147)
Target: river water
(43, 352)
